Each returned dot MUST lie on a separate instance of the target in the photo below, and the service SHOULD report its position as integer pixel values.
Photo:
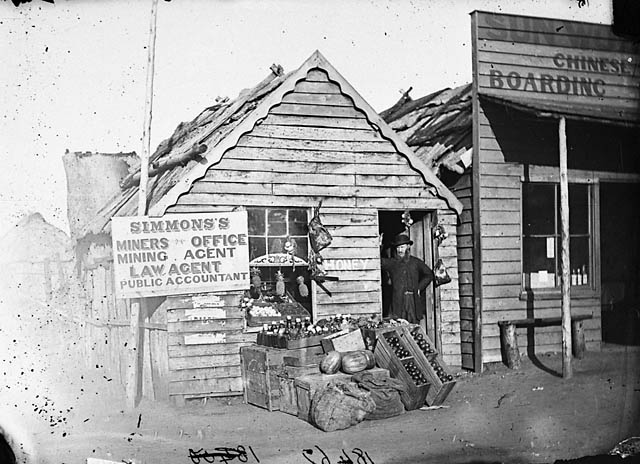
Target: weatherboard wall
(581, 69)
(316, 145)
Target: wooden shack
(528, 74)
(279, 150)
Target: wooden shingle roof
(200, 144)
(438, 127)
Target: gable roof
(196, 146)
(438, 127)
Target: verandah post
(564, 261)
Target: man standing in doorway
(409, 277)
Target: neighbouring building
(528, 73)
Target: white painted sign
(180, 253)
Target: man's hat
(401, 239)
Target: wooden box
(370, 336)
(260, 366)
(304, 342)
(287, 377)
(415, 395)
(343, 341)
(306, 387)
(439, 389)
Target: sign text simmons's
(180, 254)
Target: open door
(390, 223)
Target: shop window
(278, 254)
(541, 236)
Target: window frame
(580, 291)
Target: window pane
(297, 222)
(578, 209)
(256, 221)
(257, 247)
(538, 205)
(278, 222)
(539, 263)
(579, 258)
(302, 250)
(276, 245)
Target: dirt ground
(65, 415)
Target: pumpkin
(357, 361)
(331, 363)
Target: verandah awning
(581, 112)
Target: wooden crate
(287, 377)
(305, 342)
(415, 395)
(306, 387)
(439, 390)
(260, 366)
(343, 341)
(370, 336)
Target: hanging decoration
(290, 248)
(439, 234)
(407, 220)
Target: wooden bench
(509, 337)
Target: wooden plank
(280, 155)
(223, 338)
(315, 121)
(317, 133)
(351, 219)
(329, 99)
(317, 110)
(326, 145)
(204, 361)
(410, 180)
(353, 286)
(502, 279)
(355, 242)
(317, 87)
(196, 200)
(329, 308)
(489, 256)
(177, 351)
(228, 301)
(501, 230)
(232, 187)
(500, 181)
(617, 96)
(224, 385)
(257, 177)
(160, 365)
(351, 253)
(402, 203)
(205, 373)
(501, 169)
(502, 267)
(225, 325)
(307, 166)
(498, 243)
(502, 193)
(317, 75)
(501, 205)
(349, 297)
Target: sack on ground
(441, 275)
(385, 393)
(339, 405)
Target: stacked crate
(425, 354)
(393, 353)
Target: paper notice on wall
(543, 278)
(551, 247)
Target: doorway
(620, 263)
(390, 224)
